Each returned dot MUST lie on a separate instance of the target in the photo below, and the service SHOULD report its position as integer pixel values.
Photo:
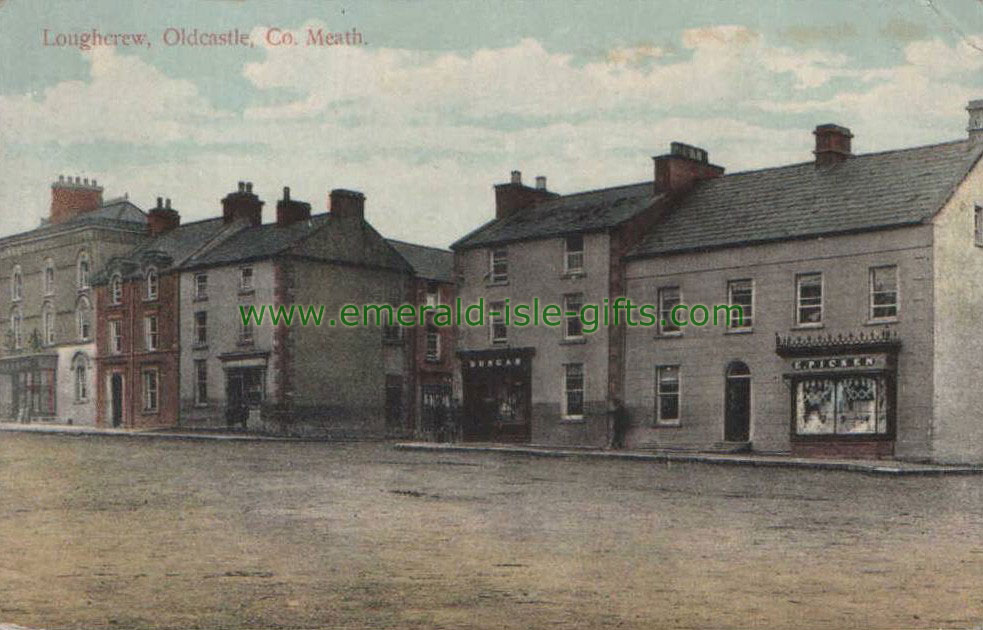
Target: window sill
(572, 275)
(808, 326)
(199, 346)
(149, 412)
(668, 335)
(247, 291)
(430, 361)
(81, 401)
(150, 299)
(392, 342)
(497, 283)
(667, 425)
(881, 322)
(199, 298)
(573, 341)
(500, 342)
(572, 420)
(243, 343)
(739, 331)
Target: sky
(439, 101)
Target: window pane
(668, 299)
(741, 293)
(856, 405)
(814, 407)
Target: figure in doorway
(619, 423)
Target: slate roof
(589, 211)
(866, 192)
(114, 214)
(430, 263)
(323, 237)
(182, 241)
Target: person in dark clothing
(619, 423)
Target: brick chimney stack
(243, 204)
(289, 211)
(71, 197)
(347, 204)
(515, 196)
(975, 128)
(832, 144)
(682, 167)
(162, 218)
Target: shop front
(497, 388)
(842, 394)
(28, 388)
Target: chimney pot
(160, 202)
(249, 187)
(516, 177)
(242, 186)
(86, 181)
(541, 182)
(290, 211)
(167, 203)
(683, 166)
(78, 180)
(93, 182)
(286, 193)
(236, 205)
(61, 178)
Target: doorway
(116, 394)
(737, 403)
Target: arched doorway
(737, 402)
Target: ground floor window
(80, 370)
(573, 386)
(150, 390)
(201, 382)
(841, 405)
(667, 394)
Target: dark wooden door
(116, 387)
(737, 414)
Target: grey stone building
(47, 306)
(860, 278)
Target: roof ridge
(439, 249)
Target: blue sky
(445, 98)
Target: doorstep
(872, 467)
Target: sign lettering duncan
(488, 363)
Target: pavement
(867, 466)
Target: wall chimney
(347, 204)
(515, 196)
(243, 204)
(70, 198)
(162, 218)
(975, 128)
(832, 144)
(290, 211)
(682, 167)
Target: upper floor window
(201, 328)
(496, 318)
(573, 255)
(669, 299)
(16, 328)
(246, 279)
(499, 265)
(116, 336)
(433, 293)
(17, 284)
(151, 331)
(153, 284)
(49, 276)
(433, 344)
(884, 292)
(573, 326)
(809, 299)
(201, 286)
(48, 323)
(978, 225)
(245, 329)
(82, 271)
(116, 289)
(83, 313)
(740, 294)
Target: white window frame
(48, 324)
(82, 270)
(659, 394)
(49, 277)
(116, 289)
(669, 328)
(200, 329)
(498, 255)
(747, 323)
(573, 253)
(80, 373)
(498, 307)
(116, 336)
(82, 314)
(153, 283)
(432, 297)
(897, 295)
(17, 284)
(151, 389)
(244, 273)
(799, 277)
(151, 331)
(200, 286)
(568, 319)
(567, 391)
(246, 333)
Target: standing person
(619, 423)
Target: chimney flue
(975, 128)
(289, 211)
(347, 203)
(160, 202)
(682, 167)
(541, 182)
(832, 144)
(243, 204)
(516, 177)
(167, 203)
